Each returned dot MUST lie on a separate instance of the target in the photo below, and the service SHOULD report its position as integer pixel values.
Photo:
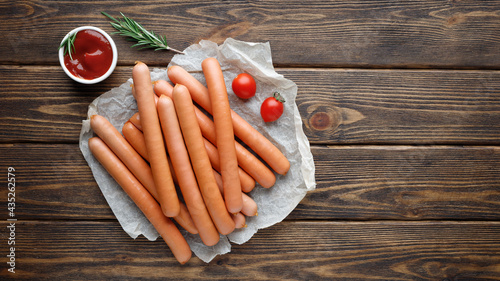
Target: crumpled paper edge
(119, 201)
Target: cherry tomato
(272, 108)
(244, 86)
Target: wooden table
(400, 101)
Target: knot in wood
(321, 121)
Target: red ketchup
(92, 55)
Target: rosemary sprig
(145, 39)
(69, 45)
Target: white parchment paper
(235, 57)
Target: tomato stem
(278, 97)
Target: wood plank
(353, 183)
(337, 106)
(408, 183)
(398, 106)
(342, 33)
(290, 250)
(52, 182)
(41, 103)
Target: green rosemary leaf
(115, 25)
(107, 15)
(140, 44)
(69, 45)
(136, 32)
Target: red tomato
(244, 86)
(272, 108)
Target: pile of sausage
(170, 142)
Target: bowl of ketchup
(93, 58)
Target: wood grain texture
(337, 33)
(399, 99)
(288, 251)
(337, 106)
(52, 182)
(353, 183)
(41, 103)
(397, 106)
(404, 183)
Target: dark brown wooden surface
(445, 34)
(396, 250)
(354, 183)
(338, 106)
(400, 101)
